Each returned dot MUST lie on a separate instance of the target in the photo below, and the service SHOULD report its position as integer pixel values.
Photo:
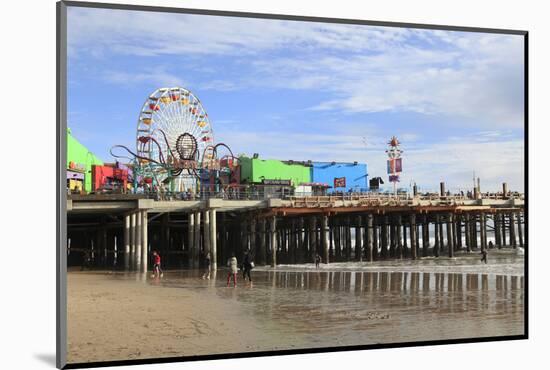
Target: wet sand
(117, 315)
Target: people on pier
(317, 260)
(247, 265)
(157, 271)
(233, 269)
(206, 274)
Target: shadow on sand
(47, 358)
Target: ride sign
(339, 182)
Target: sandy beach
(120, 315)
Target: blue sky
(303, 90)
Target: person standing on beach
(233, 269)
(484, 256)
(317, 260)
(157, 271)
(206, 266)
(247, 265)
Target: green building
(80, 161)
(258, 171)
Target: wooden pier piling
(468, 232)
(132, 240)
(213, 241)
(293, 245)
(483, 232)
(144, 241)
(301, 244)
(503, 225)
(398, 236)
(190, 238)
(520, 230)
(206, 233)
(441, 235)
(197, 241)
(513, 241)
(437, 235)
(405, 241)
(375, 239)
(425, 235)
(325, 238)
(138, 240)
(127, 242)
(385, 236)
(413, 235)
(458, 231)
(252, 243)
(358, 239)
(450, 237)
(369, 231)
(473, 231)
(273, 240)
(347, 231)
(498, 239)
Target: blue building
(335, 174)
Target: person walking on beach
(247, 266)
(317, 260)
(232, 264)
(87, 259)
(206, 274)
(484, 256)
(157, 271)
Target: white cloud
(483, 88)
(365, 69)
(219, 85)
(494, 162)
(158, 77)
(149, 33)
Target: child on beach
(157, 271)
(317, 260)
(232, 264)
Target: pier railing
(246, 192)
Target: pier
(121, 231)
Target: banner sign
(339, 182)
(398, 165)
(395, 165)
(394, 178)
(276, 182)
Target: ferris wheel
(173, 126)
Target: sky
(310, 91)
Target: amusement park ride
(175, 145)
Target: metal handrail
(247, 192)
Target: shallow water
(339, 307)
